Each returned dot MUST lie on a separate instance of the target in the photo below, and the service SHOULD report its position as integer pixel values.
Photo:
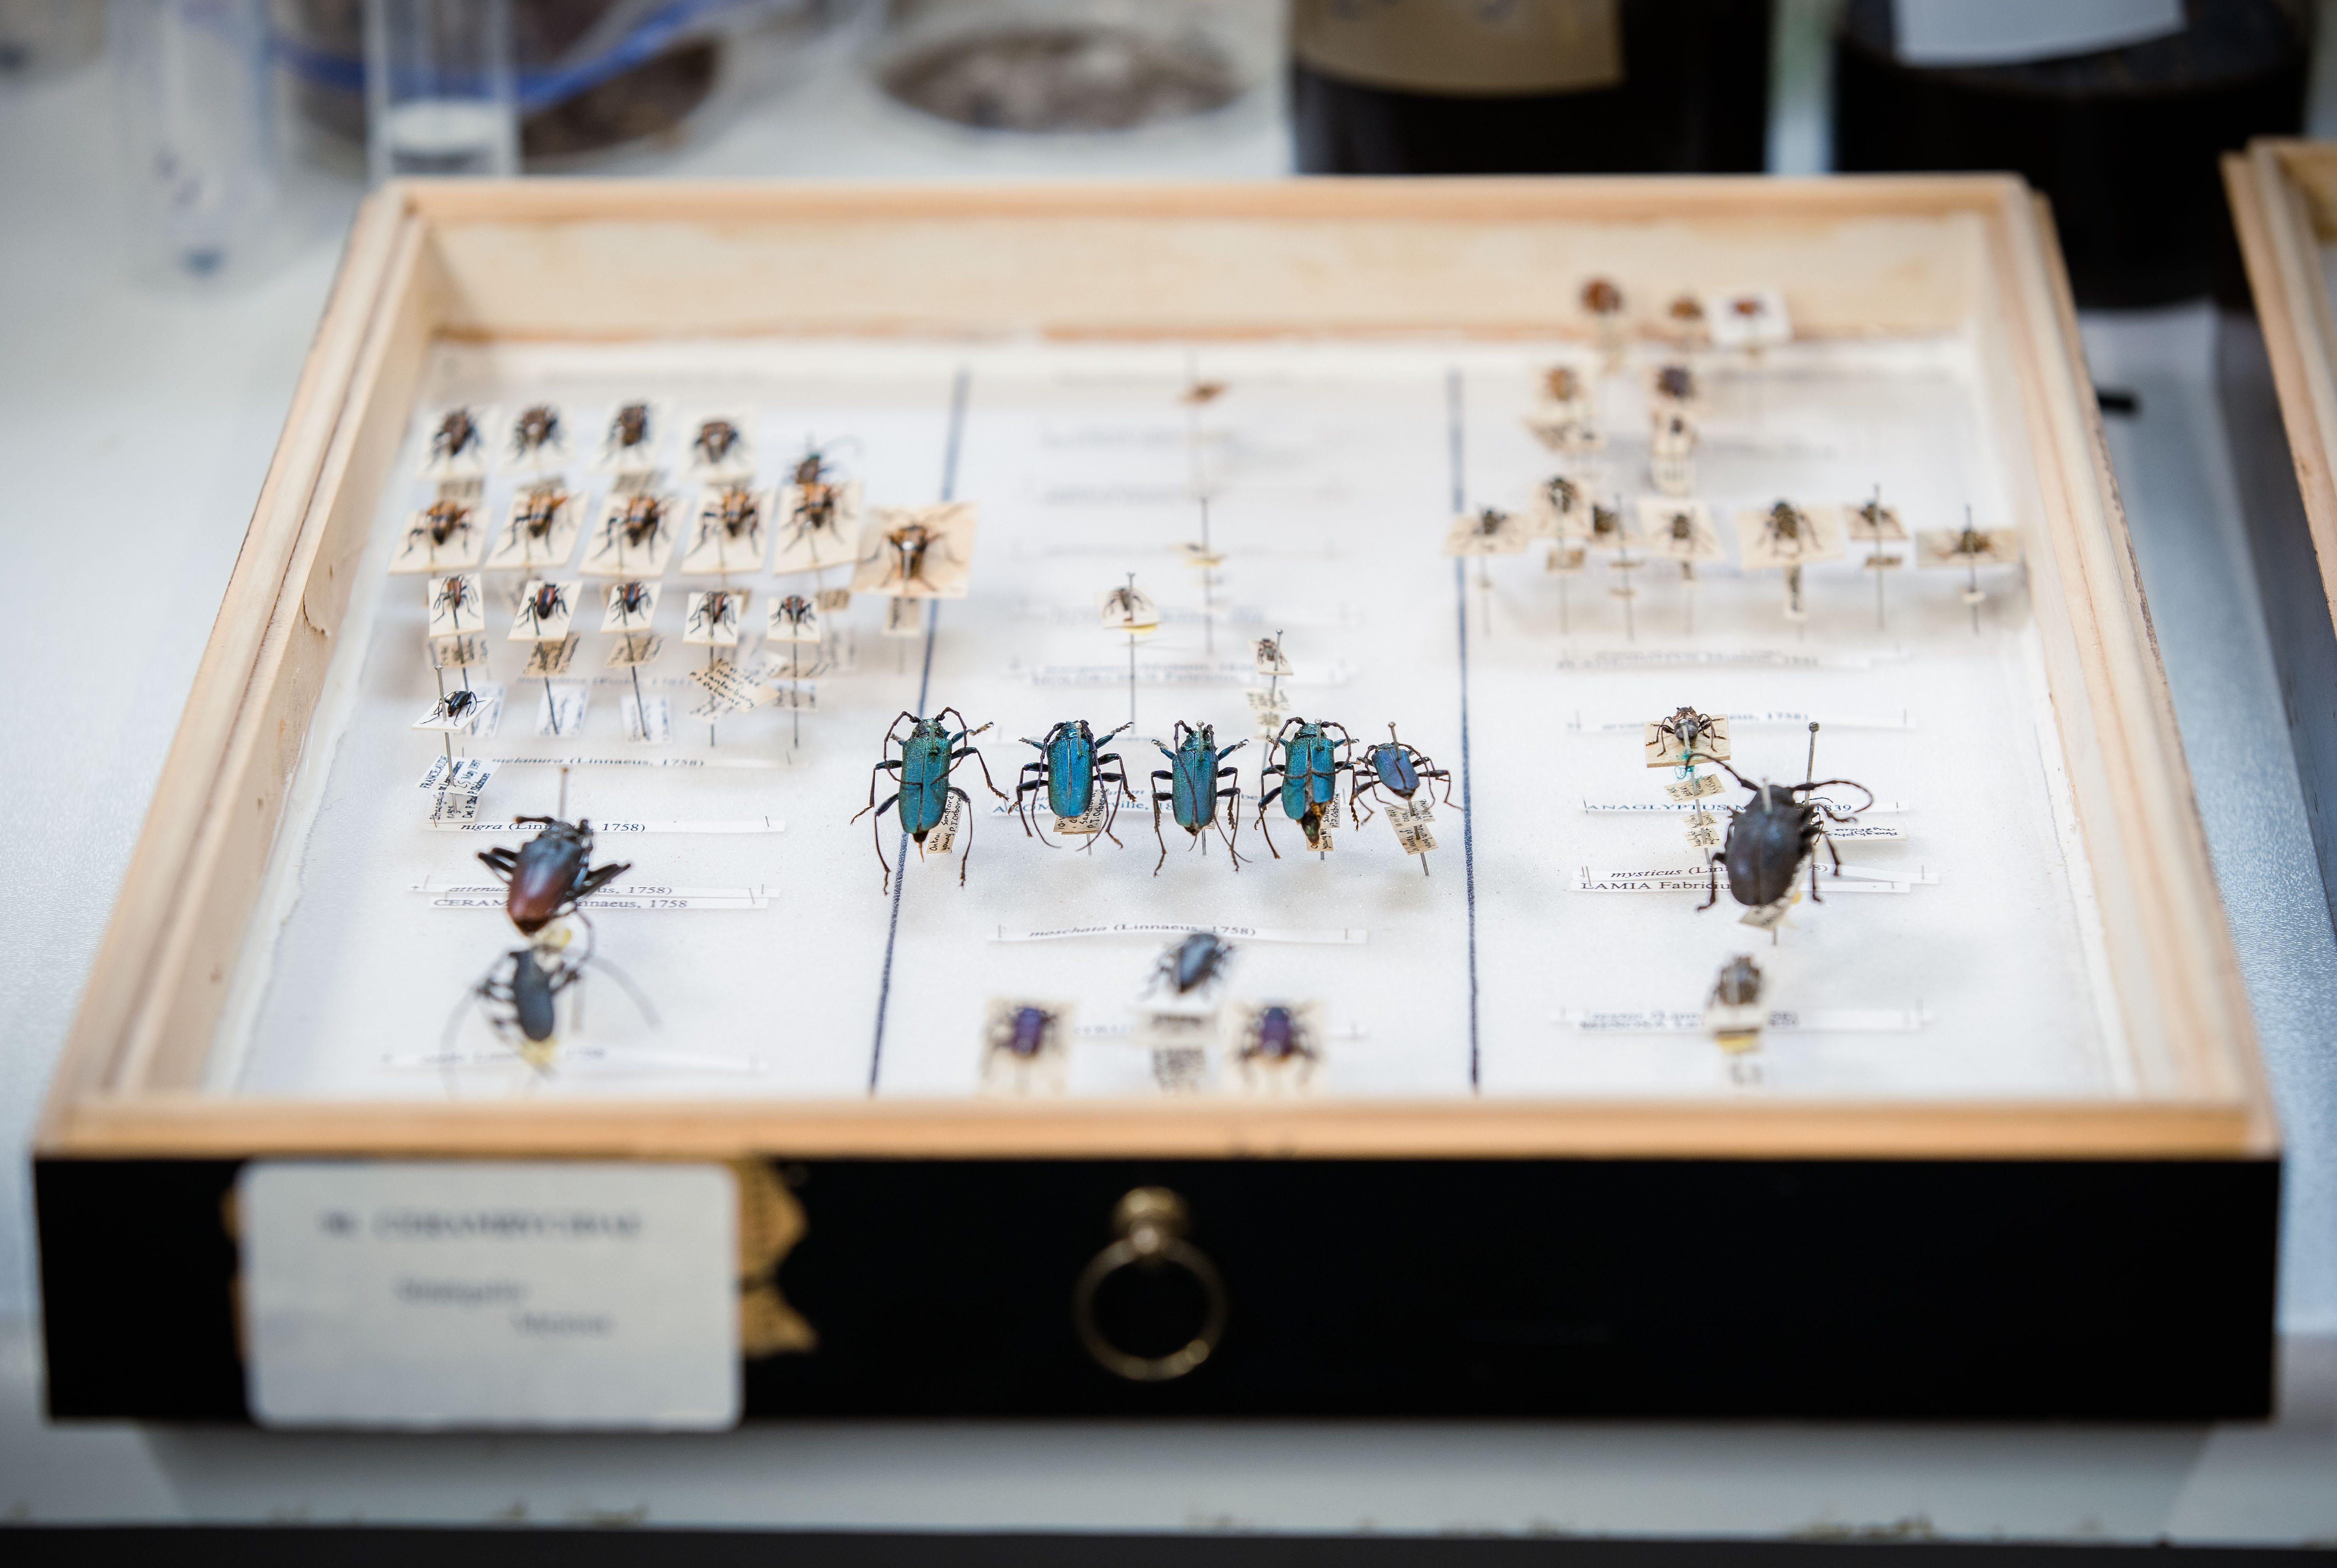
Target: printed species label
(490, 1294)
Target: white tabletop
(135, 426)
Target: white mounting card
(1332, 480)
(490, 1294)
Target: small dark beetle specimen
(548, 876)
(441, 522)
(540, 511)
(640, 521)
(454, 594)
(1739, 985)
(1686, 309)
(1601, 297)
(1677, 381)
(456, 435)
(537, 427)
(1682, 527)
(737, 513)
(629, 599)
(909, 544)
(716, 440)
(1397, 768)
(718, 611)
(1771, 835)
(455, 704)
(1192, 965)
(1605, 525)
(1277, 1036)
(1784, 526)
(1689, 728)
(1563, 493)
(630, 427)
(1560, 384)
(548, 602)
(1024, 1034)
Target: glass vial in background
(1529, 86)
(439, 94)
(194, 88)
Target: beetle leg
(1023, 789)
(1103, 757)
(879, 838)
(1712, 891)
(1157, 798)
(1827, 839)
(896, 765)
(593, 882)
(1813, 881)
(964, 752)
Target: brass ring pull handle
(1151, 1223)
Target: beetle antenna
(1810, 769)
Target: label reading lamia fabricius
(1462, 46)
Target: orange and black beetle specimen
(548, 876)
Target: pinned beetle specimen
(547, 605)
(536, 429)
(1192, 965)
(522, 993)
(1072, 764)
(918, 551)
(713, 615)
(535, 513)
(1772, 834)
(1276, 1037)
(1688, 736)
(550, 874)
(718, 441)
(456, 437)
(931, 750)
(1398, 767)
(630, 434)
(1602, 297)
(733, 515)
(1309, 763)
(442, 522)
(1739, 985)
(1194, 775)
(1675, 383)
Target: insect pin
(1398, 768)
(929, 803)
(1071, 769)
(1769, 839)
(1308, 759)
(1195, 774)
(548, 876)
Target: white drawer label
(484, 1293)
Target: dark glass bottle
(1529, 86)
(2123, 141)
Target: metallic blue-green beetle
(1193, 795)
(1398, 768)
(1072, 764)
(923, 771)
(1310, 762)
